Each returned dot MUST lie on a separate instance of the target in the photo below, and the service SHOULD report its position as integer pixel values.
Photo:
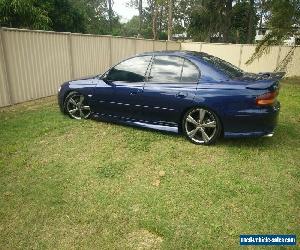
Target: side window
(131, 70)
(166, 69)
(190, 72)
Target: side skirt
(168, 127)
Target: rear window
(225, 67)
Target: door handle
(135, 92)
(181, 95)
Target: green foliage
(84, 16)
(23, 14)
(200, 27)
(284, 17)
(64, 15)
(240, 22)
(209, 21)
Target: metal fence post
(110, 51)
(7, 80)
(241, 53)
(135, 46)
(71, 57)
(200, 49)
(278, 57)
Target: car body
(157, 89)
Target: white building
(261, 32)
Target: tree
(170, 19)
(110, 14)
(251, 21)
(23, 14)
(64, 15)
(138, 4)
(207, 21)
(85, 16)
(154, 7)
(140, 16)
(283, 22)
(240, 22)
(227, 20)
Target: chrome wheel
(77, 107)
(201, 126)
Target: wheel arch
(71, 91)
(180, 129)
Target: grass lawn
(86, 184)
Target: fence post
(110, 51)
(241, 53)
(200, 48)
(7, 80)
(135, 46)
(278, 57)
(71, 58)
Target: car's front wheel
(76, 106)
(201, 126)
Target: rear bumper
(252, 122)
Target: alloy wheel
(77, 107)
(201, 126)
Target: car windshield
(226, 67)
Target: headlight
(59, 88)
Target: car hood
(87, 80)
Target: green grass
(70, 184)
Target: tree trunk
(250, 23)
(110, 14)
(228, 10)
(170, 20)
(160, 18)
(140, 16)
(262, 5)
(154, 20)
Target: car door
(119, 93)
(170, 89)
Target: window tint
(166, 69)
(225, 67)
(131, 70)
(190, 72)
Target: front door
(121, 94)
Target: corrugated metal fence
(34, 63)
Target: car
(194, 93)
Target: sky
(126, 13)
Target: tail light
(267, 98)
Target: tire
(76, 106)
(201, 126)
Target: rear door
(121, 94)
(169, 89)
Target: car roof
(175, 52)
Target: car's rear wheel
(201, 126)
(76, 106)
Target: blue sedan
(194, 93)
